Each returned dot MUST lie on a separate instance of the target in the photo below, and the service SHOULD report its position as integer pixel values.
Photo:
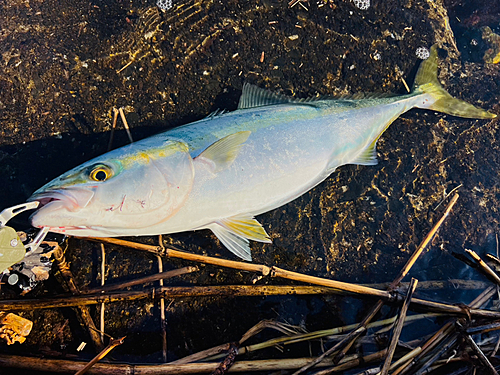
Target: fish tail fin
(437, 97)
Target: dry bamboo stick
(143, 280)
(115, 117)
(103, 272)
(163, 321)
(484, 267)
(171, 253)
(125, 124)
(218, 290)
(482, 357)
(168, 292)
(424, 243)
(444, 332)
(212, 353)
(346, 287)
(113, 343)
(65, 366)
(398, 328)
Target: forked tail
(438, 99)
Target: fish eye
(100, 173)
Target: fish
(220, 172)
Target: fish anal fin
(247, 227)
(236, 231)
(368, 156)
(234, 243)
(222, 153)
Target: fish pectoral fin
(223, 152)
(234, 233)
(368, 156)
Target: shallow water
(61, 74)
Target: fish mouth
(72, 199)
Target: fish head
(136, 186)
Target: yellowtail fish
(220, 172)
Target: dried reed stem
(143, 280)
(65, 366)
(113, 343)
(398, 328)
(125, 124)
(171, 253)
(115, 117)
(484, 267)
(163, 321)
(103, 272)
(424, 244)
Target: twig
(103, 271)
(424, 243)
(443, 333)
(228, 361)
(218, 290)
(346, 287)
(65, 366)
(398, 328)
(447, 195)
(484, 360)
(115, 117)
(112, 344)
(354, 363)
(163, 321)
(125, 124)
(171, 253)
(143, 280)
(484, 267)
(289, 339)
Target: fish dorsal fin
(234, 233)
(368, 156)
(223, 152)
(216, 113)
(253, 96)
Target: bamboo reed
(219, 290)
(171, 253)
(398, 328)
(65, 366)
(143, 280)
